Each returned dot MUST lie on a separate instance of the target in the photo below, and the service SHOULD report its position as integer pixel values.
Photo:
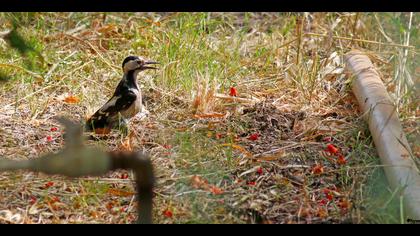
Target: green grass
(384, 206)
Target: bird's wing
(107, 113)
(118, 103)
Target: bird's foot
(142, 114)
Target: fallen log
(385, 127)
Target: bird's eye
(139, 62)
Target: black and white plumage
(126, 101)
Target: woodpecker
(126, 101)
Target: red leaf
(201, 183)
(233, 92)
(330, 197)
(341, 160)
(260, 171)
(54, 200)
(49, 138)
(323, 202)
(254, 136)
(54, 129)
(124, 176)
(332, 149)
(109, 205)
(215, 190)
(168, 213)
(48, 185)
(219, 136)
(252, 183)
(167, 146)
(328, 194)
(318, 169)
(32, 200)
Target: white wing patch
(109, 104)
(135, 91)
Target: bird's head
(135, 63)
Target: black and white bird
(126, 101)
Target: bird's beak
(150, 63)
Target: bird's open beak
(150, 63)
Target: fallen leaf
(215, 190)
(95, 214)
(54, 199)
(321, 212)
(54, 129)
(211, 115)
(391, 88)
(341, 160)
(254, 136)
(273, 157)
(109, 205)
(121, 193)
(198, 182)
(318, 169)
(167, 146)
(328, 194)
(237, 147)
(260, 171)
(332, 149)
(32, 200)
(343, 204)
(322, 202)
(71, 99)
(168, 213)
(251, 183)
(233, 92)
(201, 183)
(51, 201)
(48, 185)
(305, 212)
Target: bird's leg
(124, 128)
(122, 125)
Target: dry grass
(292, 92)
